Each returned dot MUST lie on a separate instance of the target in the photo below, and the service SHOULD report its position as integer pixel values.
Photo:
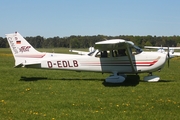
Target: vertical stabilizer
(22, 51)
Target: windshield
(138, 50)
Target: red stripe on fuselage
(138, 63)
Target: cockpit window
(116, 52)
(102, 54)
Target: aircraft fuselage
(143, 62)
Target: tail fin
(21, 49)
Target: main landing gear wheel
(115, 78)
(151, 78)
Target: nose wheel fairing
(151, 78)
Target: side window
(119, 53)
(122, 52)
(102, 54)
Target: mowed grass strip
(56, 94)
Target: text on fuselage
(13, 45)
(62, 64)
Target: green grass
(63, 95)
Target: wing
(113, 44)
(83, 52)
(174, 48)
(79, 52)
(117, 44)
(29, 65)
(176, 54)
(154, 47)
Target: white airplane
(162, 50)
(123, 58)
(91, 49)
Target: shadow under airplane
(131, 80)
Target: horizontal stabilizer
(18, 66)
(37, 65)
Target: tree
(3, 42)
(178, 44)
(148, 43)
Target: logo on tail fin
(24, 49)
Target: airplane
(82, 52)
(123, 58)
(162, 50)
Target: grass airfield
(62, 95)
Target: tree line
(87, 41)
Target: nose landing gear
(151, 78)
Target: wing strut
(130, 58)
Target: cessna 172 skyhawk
(123, 57)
